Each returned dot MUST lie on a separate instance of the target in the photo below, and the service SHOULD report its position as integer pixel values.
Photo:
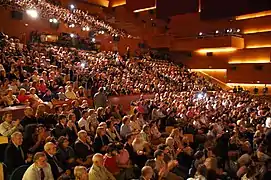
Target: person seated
(65, 154)
(134, 123)
(80, 173)
(56, 166)
(22, 97)
(125, 128)
(93, 122)
(146, 173)
(100, 141)
(34, 98)
(8, 127)
(40, 169)
(98, 171)
(83, 148)
(81, 93)
(37, 140)
(10, 99)
(70, 94)
(61, 128)
(29, 117)
(61, 95)
(161, 164)
(14, 154)
(42, 87)
(111, 132)
(13, 86)
(48, 96)
(83, 123)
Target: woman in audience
(125, 128)
(22, 97)
(10, 99)
(111, 132)
(101, 141)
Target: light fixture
(220, 49)
(26, 24)
(254, 15)
(72, 6)
(84, 29)
(253, 31)
(200, 34)
(144, 9)
(217, 31)
(72, 35)
(258, 46)
(238, 30)
(259, 61)
(248, 85)
(93, 40)
(32, 13)
(50, 20)
(209, 70)
(55, 20)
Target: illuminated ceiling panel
(254, 31)
(252, 61)
(220, 49)
(254, 15)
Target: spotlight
(216, 31)
(93, 40)
(32, 13)
(238, 30)
(230, 30)
(72, 35)
(200, 34)
(50, 20)
(72, 6)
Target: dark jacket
(82, 150)
(55, 163)
(13, 157)
(99, 142)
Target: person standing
(100, 99)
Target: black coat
(99, 142)
(54, 163)
(13, 157)
(82, 150)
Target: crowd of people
(72, 17)
(189, 129)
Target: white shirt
(34, 173)
(84, 123)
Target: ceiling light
(32, 13)
(72, 6)
(72, 35)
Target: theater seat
(18, 173)
(3, 145)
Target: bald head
(147, 172)
(97, 159)
(50, 148)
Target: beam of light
(209, 70)
(144, 9)
(258, 46)
(254, 31)
(254, 15)
(221, 49)
(259, 61)
(247, 85)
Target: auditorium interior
(141, 89)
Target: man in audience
(56, 166)
(7, 127)
(100, 99)
(80, 173)
(29, 117)
(40, 169)
(98, 171)
(146, 173)
(14, 154)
